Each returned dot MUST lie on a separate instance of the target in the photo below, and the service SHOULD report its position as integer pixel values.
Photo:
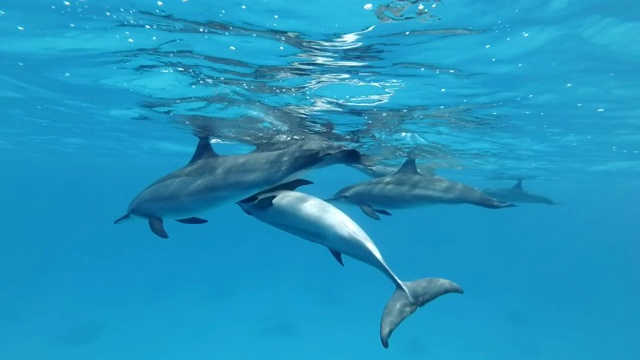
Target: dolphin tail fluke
(404, 303)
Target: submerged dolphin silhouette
(407, 188)
(517, 194)
(209, 180)
(315, 220)
(377, 170)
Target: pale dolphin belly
(319, 222)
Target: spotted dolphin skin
(517, 194)
(318, 221)
(408, 188)
(209, 180)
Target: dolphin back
(404, 303)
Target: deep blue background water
(540, 282)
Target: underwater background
(98, 100)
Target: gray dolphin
(516, 194)
(376, 170)
(209, 180)
(407, 188)
(315, 220)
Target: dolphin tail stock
(405, 302)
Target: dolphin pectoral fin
(368, 210)
(492, 203)
(157, 227)
(122, 218)
(337, 256)
(291, 185)
(192, 220)
(499, 205)
(382, 211)
(403, 304)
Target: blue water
(97, 101)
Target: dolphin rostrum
(517, 194)
(407, 188)
(316, 220)
(209, 180)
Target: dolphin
(517, 194)
(377, 170)
(209, 180)
(318, 221)
(407, 188)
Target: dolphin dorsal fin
(203, 150)
(518, 185)
(408, 167)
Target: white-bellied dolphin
(209, 180)
(407, 188)
(516, 194)
(315, 220)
